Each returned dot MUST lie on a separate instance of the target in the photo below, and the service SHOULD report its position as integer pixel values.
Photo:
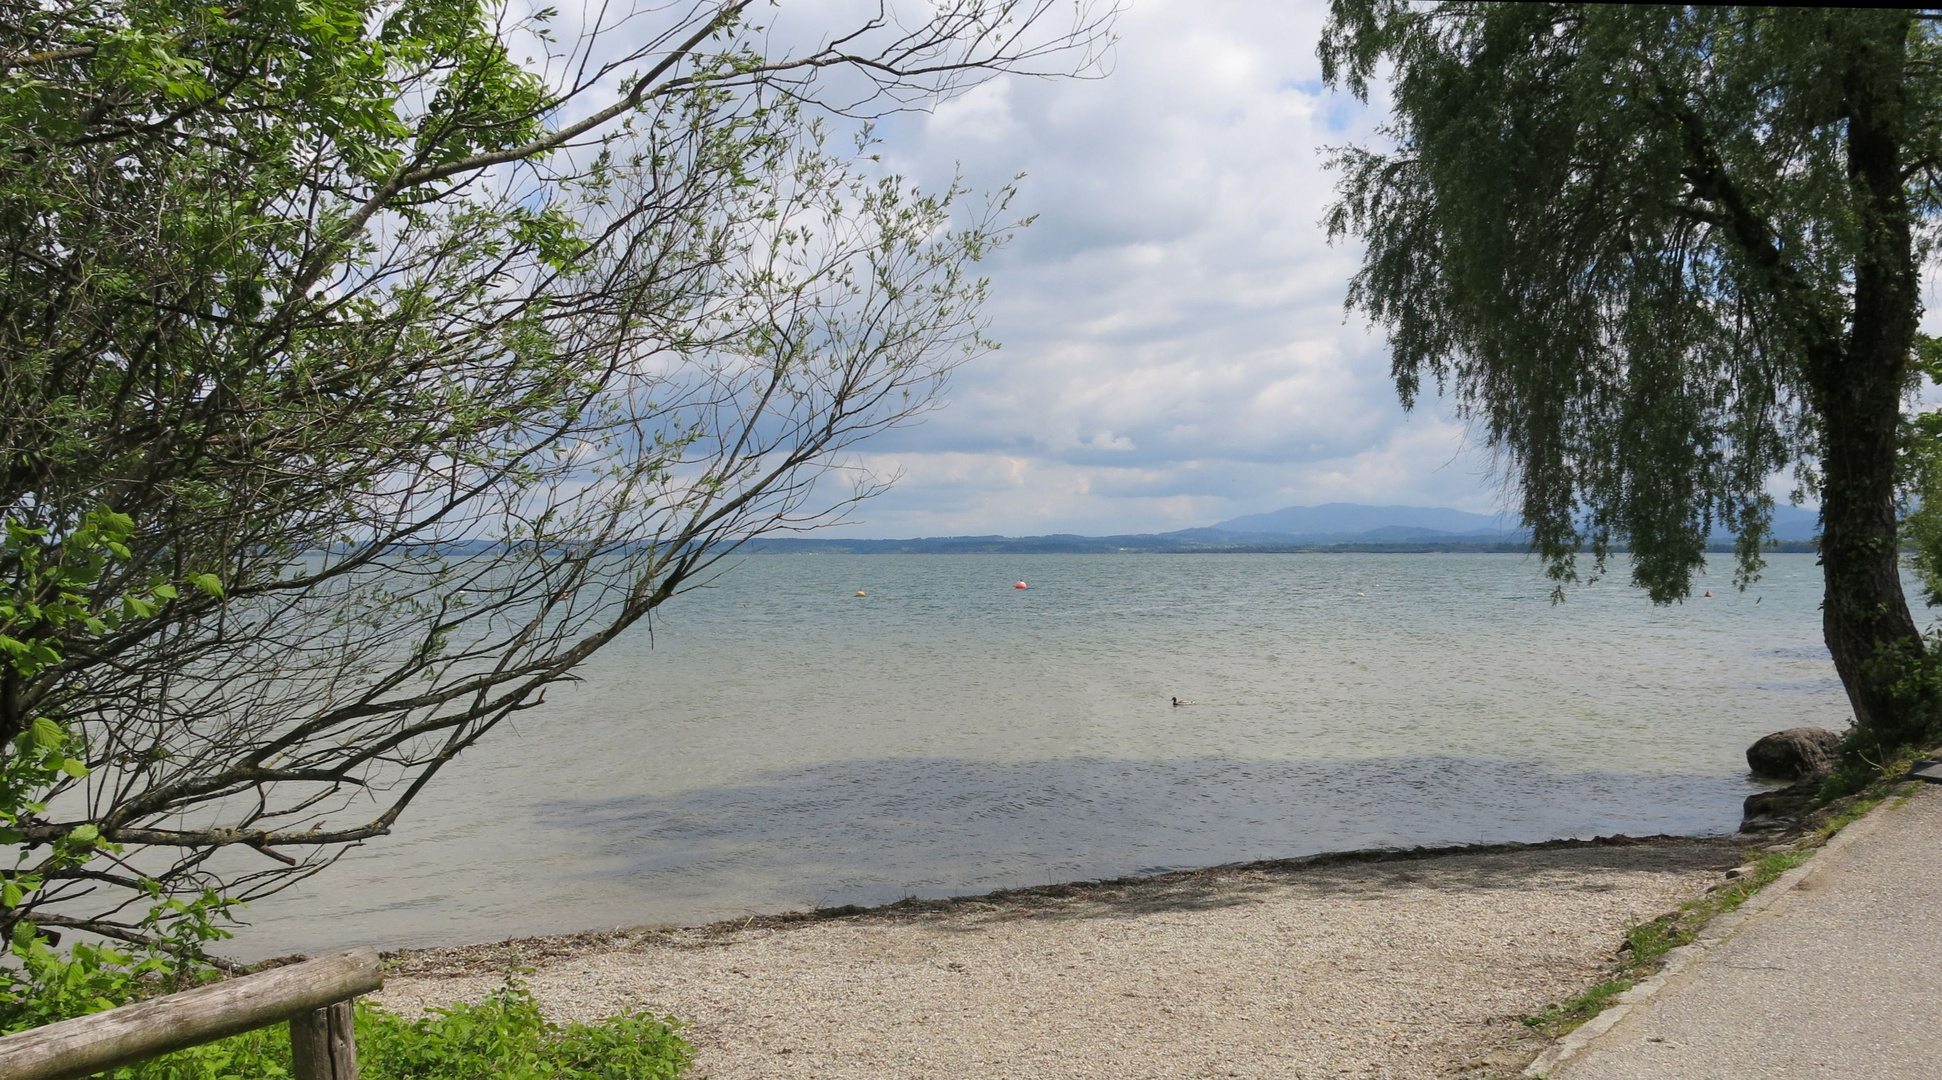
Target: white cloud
(1176, 350)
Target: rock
(1769, 810)
(1793, 754)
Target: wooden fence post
(316, 992)
(323, 1043)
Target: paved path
(1839, 977)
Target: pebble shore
(1368, 965)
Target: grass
(503, 1037)
(1647, 944)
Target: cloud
(1175, 346)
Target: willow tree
(367, 365)
(1660, 254)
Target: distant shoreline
(1135, 546)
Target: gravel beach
(1372, 966)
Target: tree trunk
(1857, 384)
(1864, 613)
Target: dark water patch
(868, 832)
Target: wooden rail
(314, 996)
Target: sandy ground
(1413, 967)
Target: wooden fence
(313, 996)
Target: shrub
(503, 1037)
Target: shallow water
(777, 742)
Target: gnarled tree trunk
(1857, 385)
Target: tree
(369, 364)
(1659, 254)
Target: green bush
(503, 1037)
(506, 1038)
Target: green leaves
(1617, 234)
(344, 415)
(51, 600)
(506, 1036)
(54, 605)
(503, 1036)
(1920, 479)
(1659, 254)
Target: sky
(1175, 348)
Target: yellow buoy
(859, 592)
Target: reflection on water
(783, 743)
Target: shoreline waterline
(573, 942)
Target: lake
(775, 742)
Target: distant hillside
(1330, 527)
(1790, 523)
(1334, 519)
(1201, 540)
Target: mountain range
(1331, 526)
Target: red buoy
(1020, 585)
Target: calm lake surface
(779, 743)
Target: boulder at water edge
(1793, 754)
(1766, 811)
